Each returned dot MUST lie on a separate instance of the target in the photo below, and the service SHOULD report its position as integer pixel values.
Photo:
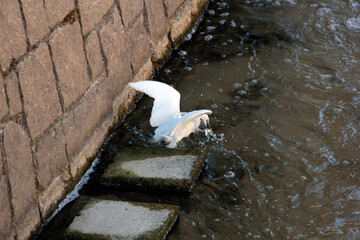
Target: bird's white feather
(166, 100)
(172, 126)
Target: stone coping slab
(109, 219)
(155, 168)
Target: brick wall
(64, 69)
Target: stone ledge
(155, 168)
(107, 219)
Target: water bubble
(205, 63)
(211, 12)
(323, 11)
(214, 106)
(188, 69)
(222, 22)
(210, 28)
(225, 14)
(232, 23)
(182, 53)
(303, 178)
(208, 37)
(167, 71)
(208, 84)
(229, 175)
(242, 92)
(353, 23)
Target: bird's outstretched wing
(187, 118)
(166, 103)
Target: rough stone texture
(3, 103)
(172, 167)
(155, 168)
(12, 89)
(54, 193)
(139, 44)
(52, 170)
(21, 176)
(94, 56)
(157, 28)
(77, 127)
(171, 6)
(12, 33)
(6, 230)
(130, 10)
(92, 12)
(41, 100)
(35, 16)
(57, 10)
(127, 221)
(51, 158)
(156, 19)
(70, 62)
(181, 22)
(116, 46)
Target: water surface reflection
(282, 80)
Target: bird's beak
(208, 124)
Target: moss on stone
(156, 234)
(115, 175)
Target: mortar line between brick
(117, 3)
(7, 177)
(103, 54)
(165, 10)
(57, 81)
(77, 10)
(36, 171)
(68, 160)
(32, 145)
(25, 25)
(146, 20)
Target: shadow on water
(282, 80)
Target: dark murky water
(283, 81)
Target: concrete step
(155, 168)
(108, 219)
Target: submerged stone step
(155, 168)
(109, 219)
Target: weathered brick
(70, 64)
(12, 89)
(92, 12)
(156, 20)
(12, 33)
(52, 170)
(6, 230)
(130, 10)
(94, 55)
(51, 158)
(3, 104)
(35, 16)
(93, 109)
(116, 46)
(56, 10)
(21, 176)
(171, 6)
(140, 45)
(41, 100)
(181, 22)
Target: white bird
(172, 125)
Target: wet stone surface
(107, 219)
(155, 168)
